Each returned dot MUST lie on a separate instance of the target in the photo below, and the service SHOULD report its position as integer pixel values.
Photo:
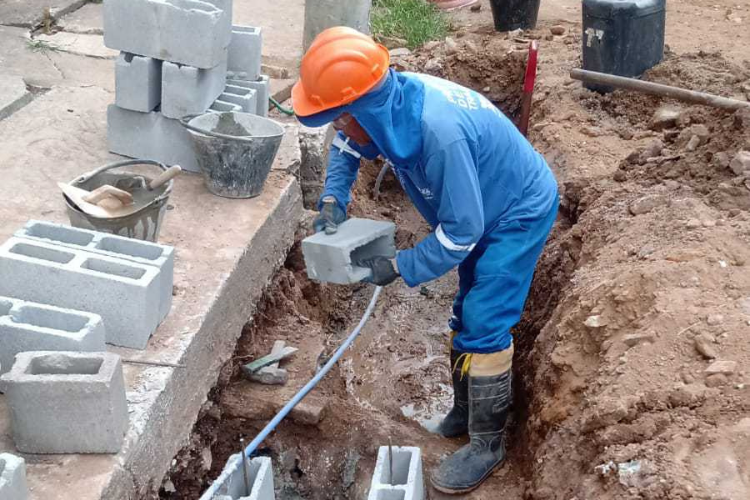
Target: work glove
(383, 269)
(330, 216)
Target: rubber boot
(489, 407)
(456, 422)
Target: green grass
(41, 46)
(415, 21)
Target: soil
(631, 358)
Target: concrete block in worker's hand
(28, 326)
(245, 49)
(406, 482)
(137, 82)
(332, 258)
(13, 484)
(67, 402)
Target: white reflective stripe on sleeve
(344, 147)
(447, 243)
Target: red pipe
(528, 87)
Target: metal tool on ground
(254, 366)
(141, 220)
(272, 374)
(528, 87)
(658, 89)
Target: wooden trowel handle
(106, 191)
(165, 176)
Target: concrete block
(332, 258)
(231, 483)
(27, 326)
(262, 86)
(67, 402)
(189, 32)
(13, 478)
(220, 106)
(137, 82)
(125, 294)
(245, 49)
(407, 482)
(150, 136)
(187, 90)
(244, 97)
(142, 252)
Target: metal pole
(245, 467)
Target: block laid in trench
(124, 293)
(28, 326)
(230, 485)
(245, 51)
(407, 481)
(142, 252)
(262, 86)
(137, 82)
(67, 402)
(189, 32)
(13, 484)
(332, 258)
(188, 90)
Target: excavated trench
(601, 378)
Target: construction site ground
(630, 368)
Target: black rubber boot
(456, 422)
(489, 407)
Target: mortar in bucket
(234, 150)
(143, 224)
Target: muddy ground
(631, 359)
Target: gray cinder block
(244, 97)
(142, 252)
(13, 478)
(407, 482)
(245, 49)
(231, 482)
(189, 32)
(220, 106)
(67, 402)
(261, 86)
(150, 136)
(124, 293)
(27, 326)
(188, 90)
(137, 82)
(332, 258)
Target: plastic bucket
(143, 224)
(235, 151)
(511, 15)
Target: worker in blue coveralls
(489, 196)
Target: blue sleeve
(452, 172)
(342, 169)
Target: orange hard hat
(340, 66)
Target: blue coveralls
(489, 196)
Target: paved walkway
(54, 92)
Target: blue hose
(307, 388)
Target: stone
(309, 412)
(433, 66)
(714, 319)
(557, 30)
(13, 95)
(595, 322)
(726, 367)
(400, 52)
(665, 117)
(245, 51)
(652, 150)
(125, 294)
(716, 380)
(333, 258)
(67, 402)
(721, 159)
(186, 90)
(137, 82)
(646, 204)
(633, 339)
(189, 32)
(451, 46)
(704, 346)
(28, 326)
(13, 484)
(740, 163)
(694, 224)
(476, 7)
(398, 474)
(701, 131)
(693, 143)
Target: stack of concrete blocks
(13, 478)
(178, 58)
(398, 477)
(67, 402)
(230, 485)
(333, 258)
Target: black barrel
(622, 37)
(511, 15)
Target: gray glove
(330, 216)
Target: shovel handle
(165, 177)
